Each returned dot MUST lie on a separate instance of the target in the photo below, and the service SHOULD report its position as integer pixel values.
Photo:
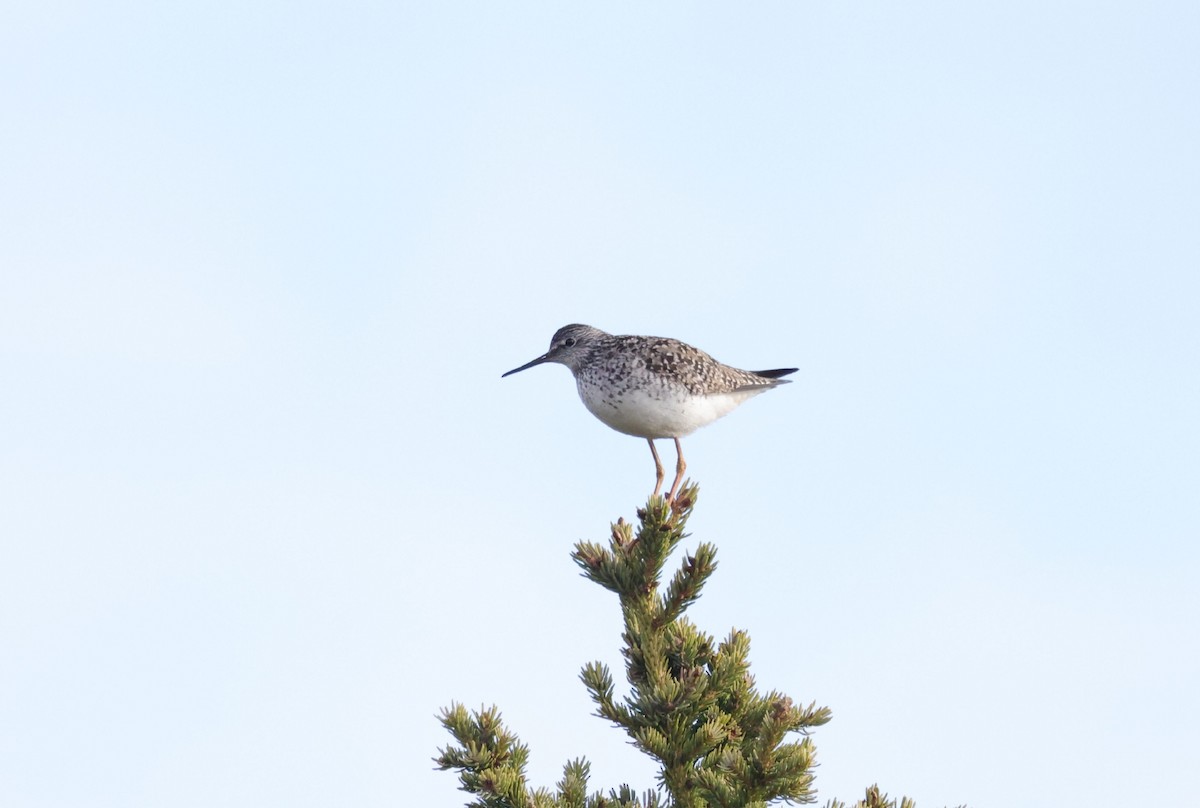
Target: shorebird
(652, 387)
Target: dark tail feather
(774, 374)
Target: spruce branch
(874, 798)
(685, 587)
(490, 759)
(491, 764)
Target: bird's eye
(569, 342)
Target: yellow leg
(680, 467)
(658, 471)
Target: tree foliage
(692, 704)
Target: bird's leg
(658, 472)
(680, 467)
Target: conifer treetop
(692, 704)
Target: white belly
(659, 412)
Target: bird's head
(569, 346)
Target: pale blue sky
(267, 505)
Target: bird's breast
(654, 409)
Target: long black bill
(526, 366)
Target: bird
(652, 387)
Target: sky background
(266, 505)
